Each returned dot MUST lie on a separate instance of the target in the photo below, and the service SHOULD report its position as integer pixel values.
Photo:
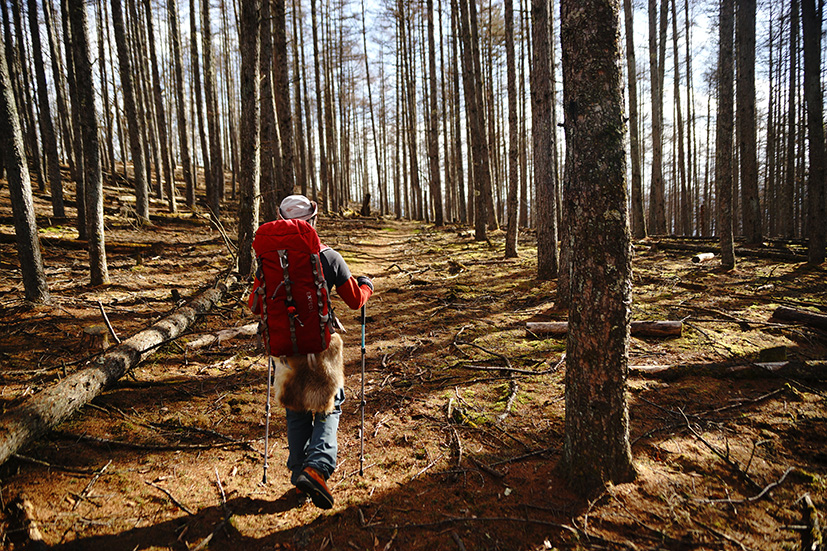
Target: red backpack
(290, 291)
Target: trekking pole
(267, 417)
(362, 404)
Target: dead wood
(702, 257)
(638, 328)
(800, 316)
(23, 508)
(23, 424)
(218, 337)
(773, 254)
(811, 370)
(171, 497)
(811, 537)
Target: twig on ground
(513, 389)
(171, 497)
(717, 452)
(524, 456)
(756, 497)
(431, 464)
(85, 493)
(154, 447)
(458, 541)
(42, 463)
(108, 324)
(721, 535)
(487, 468)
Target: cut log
(801, 316)
(23, 424)
(638, 329)
(703, 257)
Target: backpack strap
(291, 304)
(262, 297)
(318, 275)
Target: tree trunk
(281, 94)
(513, 132)
(745, 102)
(136, 148)
(271, 162)
(178, 73)
(28, 421)
(35, 287)
(684, 216)
(195, 71)
(47, 129)
(817, 204)
(433, 119)
(215, 194)
(160, 113)
(457, 119)
(99, 274)
(638, 220)
(787, 195)
(542, 131)
(596, 449)
(723, 135)
(657, 212)
(323, 171)
(250, 142)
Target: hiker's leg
(321, 452)
(299, 431)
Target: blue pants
(311, 439)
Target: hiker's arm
(355, 292)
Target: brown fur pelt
(309, 382)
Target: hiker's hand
(365, 280)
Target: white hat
(298, 207)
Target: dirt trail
(459, 454)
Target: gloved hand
(365, 280)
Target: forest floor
(171, 456)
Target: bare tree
(215, 193)
(250, 127)
(542, 135)
(178, 74)
(136, 147)
(817, 209)
(787, 195)
(20, 189)
(47, 129)
(745, 104)
(433, 120)
(271, 164)
(99, 274)
(657, 42)
(723, 133)
(596, 448)
(513, 132)
(195, 71)
(638, 220)
(281, 94)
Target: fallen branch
(171, 497)
(638, 328)
(156, 447)
(756, 497)
(218, 337)
(813, 370)
(23, 424)
(85, 493)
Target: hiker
(309, 376)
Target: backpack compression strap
(291, 304)
(318, 275)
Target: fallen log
(703, 257)
(812, 370)
(801, 316)
(21, 425)
(218, 337)
(756, 252)
(638, 329)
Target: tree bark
(250, 141)
(195, 70)
(281, 94)
(271, 162)
(723, 135)
(433, 119)
(215, 194)
(160, 113)
(786, 205)
(745, 105)
(596, 449)
(26, 422)
(513, 132)
(657, 212)
(638, 219)
(323, 170)
(13, 152)
(178, 74)
(545, 184)
(136, 148)
(47, 129)
(98, 272)
(816, 187)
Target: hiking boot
(312, 483)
